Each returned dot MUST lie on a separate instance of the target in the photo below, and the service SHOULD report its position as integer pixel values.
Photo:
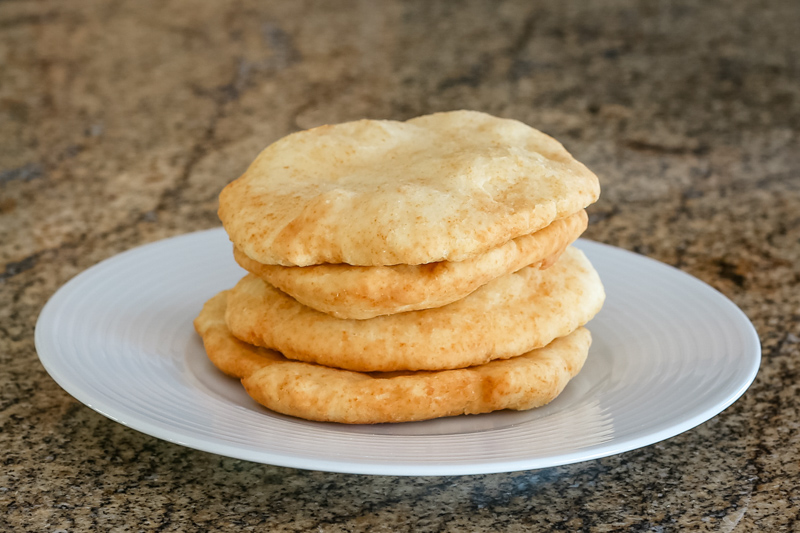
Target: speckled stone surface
(121, 121)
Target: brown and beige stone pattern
(121, 121)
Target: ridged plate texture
(669, 353)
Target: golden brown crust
(442, 187)
(345, 291)
(320, 393)
(509, 316)
(234, 357)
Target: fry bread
(321, 393)
(345, 291)
(442, 187)
(510, 315)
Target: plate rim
(184, 437)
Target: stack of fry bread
(405, 271)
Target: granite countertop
(121, 121)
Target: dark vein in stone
(17, 267)
(25, 20)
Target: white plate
(669, 353)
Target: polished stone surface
(121, 121)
